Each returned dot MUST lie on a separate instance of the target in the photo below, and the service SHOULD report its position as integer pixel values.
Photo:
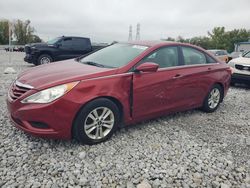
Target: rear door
(197, 74)
(81, 46)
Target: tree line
(219, 38)
(21, 32)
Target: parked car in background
(241, 69)
(234, 55)
(242, 46)
(220, 54)
(58, 49)
(90, 97)
(15, 49)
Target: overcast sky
(109, 20)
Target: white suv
(241, 69)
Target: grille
(27, 49)
(17, 91)
(242, 67)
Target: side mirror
(147, 67)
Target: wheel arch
(111, 98)
(45, 52)
(223, 89)
(212, 85)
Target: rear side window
(193, 57)
(81, 44)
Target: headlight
(50, 94)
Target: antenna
(130, 33)
(137, 32)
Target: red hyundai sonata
(88, 98)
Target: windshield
(247, 55)
(114, 56)
(53, 41)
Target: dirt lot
(188, 149)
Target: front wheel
(44, 59)
(96, 122)
(213, 99)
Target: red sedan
(90, 97)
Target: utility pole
(137, 32)
(130, 37)
(10, 33)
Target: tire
(212, 101)
(44, 59)
(89, 120)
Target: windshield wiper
(93, 63)
(96, 64)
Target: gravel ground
(188, 149)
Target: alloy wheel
(99, 122)
(214, 98)
(44, 60)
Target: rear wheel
(213, 99)
(44, 59)
(96, 122)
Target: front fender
(115, 86)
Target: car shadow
(241, 86)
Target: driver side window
(164, 57)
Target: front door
(154, 92)
(66, 49)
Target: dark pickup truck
(60, 48)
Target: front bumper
(30, 58)
(240, 78)
(53, 120)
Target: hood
(37, 44)
(45, 76)
(241, 60)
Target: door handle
(177, 76)
(209, 68)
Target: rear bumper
(240, 78)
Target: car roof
(163, 43)
(151, 43)
(215, 50)
(74, 37)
